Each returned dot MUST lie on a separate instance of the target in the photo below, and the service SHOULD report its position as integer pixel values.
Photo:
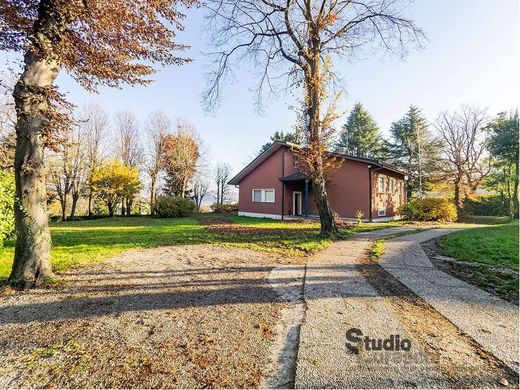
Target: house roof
(275, 146)
(296, 176)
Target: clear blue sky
(472, 57)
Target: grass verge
(82, 242)
(495, 245)
(377, 248)
(486, 257)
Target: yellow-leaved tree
(114, 181)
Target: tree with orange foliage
(181, 152)
(97, 42)
(299, 39)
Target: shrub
(174, 207)
(7, 191)
(490, 205)
(359, 217)
(429, 209)
(227, 208)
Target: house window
(269, 196)
(392, 185)
(257, 195)
(381, 212)
(381, 184)
(263, 195)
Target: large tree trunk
(183, 190)
(458, 197)
(73, 206)
(63, 205)
(327, 220)
(129, 203)
(90, 202)
(110, 209)
(31, 264)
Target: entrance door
(297, 203)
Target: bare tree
(78, 168)
(158, 126)
(300, 38)
(464, 150)
(7, 124)
(94, 121)
(68, 172)
(129, 149)
(200, 189)
(222, 174)
(61, 172)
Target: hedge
(174, 207)
(429, 209)
(227, 208)
(487, 205)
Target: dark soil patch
(494, 280)
(216, 219)
(225, 225)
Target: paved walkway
(489, 320)
(339, 297)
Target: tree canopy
(361, 135)
(96, 41)
(113, 181)
(292, 137)
(180, 154)
(503, 148)
(414, 149)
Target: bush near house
(429, 209)
(227, 208)
(7, 190)
(489, 205)
(174, 207)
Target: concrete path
(339, 298)
(489, 320)
(339, 294)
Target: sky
(472, 57)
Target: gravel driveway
(183, 316)
(198, 316)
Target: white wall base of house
(292, 217)
(387, 219)
(259, 215)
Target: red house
(271, 186)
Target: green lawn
(494, 245)
(487, 220)
(82, 242)
(487, 248)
